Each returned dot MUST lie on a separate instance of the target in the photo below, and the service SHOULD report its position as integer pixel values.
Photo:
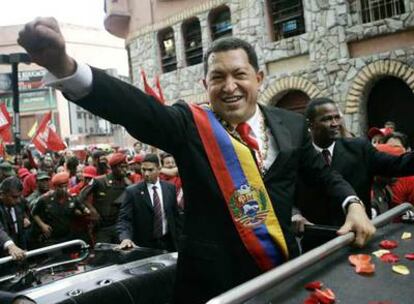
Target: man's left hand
(358, 222)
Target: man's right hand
(45, 44)
(46, 230)
(16, 253)
(126, 244)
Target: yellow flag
(32, 130)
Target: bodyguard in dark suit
(213, 255)
(354, 158)
(149, 214)
(11, 218)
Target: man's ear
(205, 83)
(260, 77)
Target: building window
(167, 48)
(79, 115)
(286, 18)
(80, 130)
(192, 41)
(91, 130)
(90, 116)
(220, 22)
(372, 10)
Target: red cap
(393, 150)
(137, 159)
(89, 171)
(375, 131)
(60, 178)
(117, 158)
(23, 172)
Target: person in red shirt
(135, 166)
(169, 173)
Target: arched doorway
(292, 100)
(390, 98)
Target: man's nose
(230, 85)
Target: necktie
(327, 156)
(244, 131)
(157, 213)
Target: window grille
(287, 18)
(192, 41)
(220, 23)
(167, 49)
(372, 10)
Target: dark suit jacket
(358, 162)
(6, 233)
(135, 220)
(212, 258)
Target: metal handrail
(48, 249)
(258, 284)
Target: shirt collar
(254, 122)
(157, 184)
(330, 148)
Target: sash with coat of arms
(242, 186)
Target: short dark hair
(164, 156)
(398, 135)
(231, 43)
(310, 111)
(152, 158)
(11, 183)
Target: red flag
(5, 123)
(2, 149)
(46, 137)
(149, 90)
(157, 83)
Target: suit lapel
(281, 135)
(146, 196)
(165, 196)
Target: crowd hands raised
(51, 198)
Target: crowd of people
(58, 197)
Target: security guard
(55, 210)
(107, 192)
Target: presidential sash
(243, 189)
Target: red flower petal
(314, 285)
(389, 258)
(356, 259)
(365, 268)
(311, 300)
(326, 296)
(409, 256)
(388, 244)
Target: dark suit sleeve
(124, 225)
(143, 117)
(315, 172)
(4, 237)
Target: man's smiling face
(232, 85)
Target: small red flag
(46, 137)
(150, 91)
(5, 123)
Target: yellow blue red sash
(243, 189)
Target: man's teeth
(232, 99)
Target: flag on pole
(46, 137)
(5, 123)
(158, 84)
(150, 90)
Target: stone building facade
(346, 52)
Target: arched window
(192, 41)
(286, 18)
(167, 50)
(220, 22)
(372, 10)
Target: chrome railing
(263, 282)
